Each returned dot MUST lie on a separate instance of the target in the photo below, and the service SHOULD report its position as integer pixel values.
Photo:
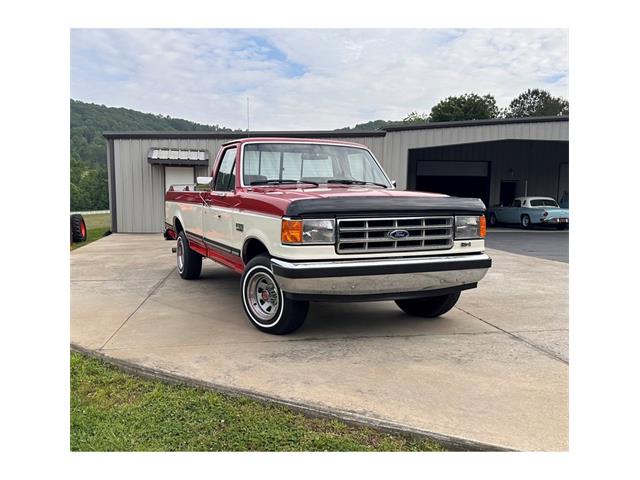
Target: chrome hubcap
(180, 254)
(263, 296)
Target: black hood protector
(385, 206)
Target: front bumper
(555, 221)
(353, 280)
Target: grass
(115, 411)
(97, 225)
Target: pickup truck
(310, 220)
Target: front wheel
(429, 307)
(493, 220)
(525, 221)
(189, 262)
(267, 307)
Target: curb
(449, 442)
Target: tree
(469, 106)
(88, 186)
(415, 117)
(537, 103)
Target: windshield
(272, 163)
(543, 202)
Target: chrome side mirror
(203, 183)
(394, 183)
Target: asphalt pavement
(541, 243)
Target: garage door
(177, 176)
(456, 178)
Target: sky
(311, 79)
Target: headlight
(471, 227)
(296, 232)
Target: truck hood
(358, 200)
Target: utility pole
(247, 114)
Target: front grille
(369, 235)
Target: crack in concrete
(153, 290)
(311, 339)
(544, 350)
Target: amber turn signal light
(483, 226)
(291, 231)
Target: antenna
(247, 116)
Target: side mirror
(203, 183)
(394, 183)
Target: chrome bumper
(387, 278)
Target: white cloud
(310, 79)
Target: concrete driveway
(494, 370)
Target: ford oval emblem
(398, 234)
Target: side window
(226, 176)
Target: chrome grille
(368, 235)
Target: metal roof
(325, 133)
(239, 135)
(476, 123)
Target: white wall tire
(265, 304)
(525, 221)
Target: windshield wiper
(276, 181)
(346, 181)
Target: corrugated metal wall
(139, 186)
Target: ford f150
(313, 220)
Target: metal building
(495, 160)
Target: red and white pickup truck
(313, 220)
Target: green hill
(89, 151)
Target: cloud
(312, 78)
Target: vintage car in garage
(528, 211)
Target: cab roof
(241, 141)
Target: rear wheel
(189, 262)
(266, 305)
(78, 228)
(429, 307)
(525, 221)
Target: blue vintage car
(529, 211)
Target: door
(563, 184)
(507, 192)
(218, 218)
(455, 178)
(178, 176)
(512, 214)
